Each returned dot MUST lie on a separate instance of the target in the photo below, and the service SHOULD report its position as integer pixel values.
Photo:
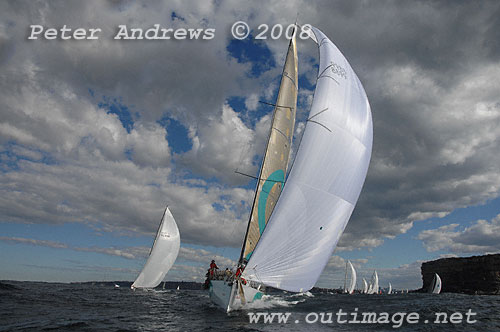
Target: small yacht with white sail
(162, 255)
(373, 287)
(435, 287)
(349, 288)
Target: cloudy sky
(97, 136)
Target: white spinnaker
(352, 284)
(163, 254)
(374, 282)
(324, 183)
(436, 284)
(370, 289)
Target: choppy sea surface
(33, 306)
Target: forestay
(324, 182)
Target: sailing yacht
(365, 286)
(373, 288)
(162, 255)
(352, 283)
(435, 287)
(295, 225)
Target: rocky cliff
(471, 275)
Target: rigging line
(311, 119)
(322, 125)
(256, 178)
(326, 109)
(282, 133)
(291, 79)
(325, 70)
(274, 105)
(328, 76)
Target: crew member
(213, 267)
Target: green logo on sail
(275, 178)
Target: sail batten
(324, 182)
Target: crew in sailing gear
(239, 271)
(213, 267)
(227, 274)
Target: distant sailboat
(349, 289)
(435, 287)
(162, 255)
(390, 289)
(365, 286)
(178, 288)
(373, 289)
(295, 226)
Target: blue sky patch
(177, 135)
(254, 51)
(114, 106)
(175, 16)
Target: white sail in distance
(390, 289)
(435, 287)
(352, 283)
(373, 289)
(375, 282)
(370, 287)
(365, 286)
(324, 182)
(163, 253)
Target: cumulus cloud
(224, 144)
(35, 242)
(251, 102)
(204, 257)
(130, 252)
(481, 236)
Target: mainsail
(275, 161)
(163, 253)
(324, 182)
(390, 289)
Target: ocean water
(32, 306)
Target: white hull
(228, 297)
